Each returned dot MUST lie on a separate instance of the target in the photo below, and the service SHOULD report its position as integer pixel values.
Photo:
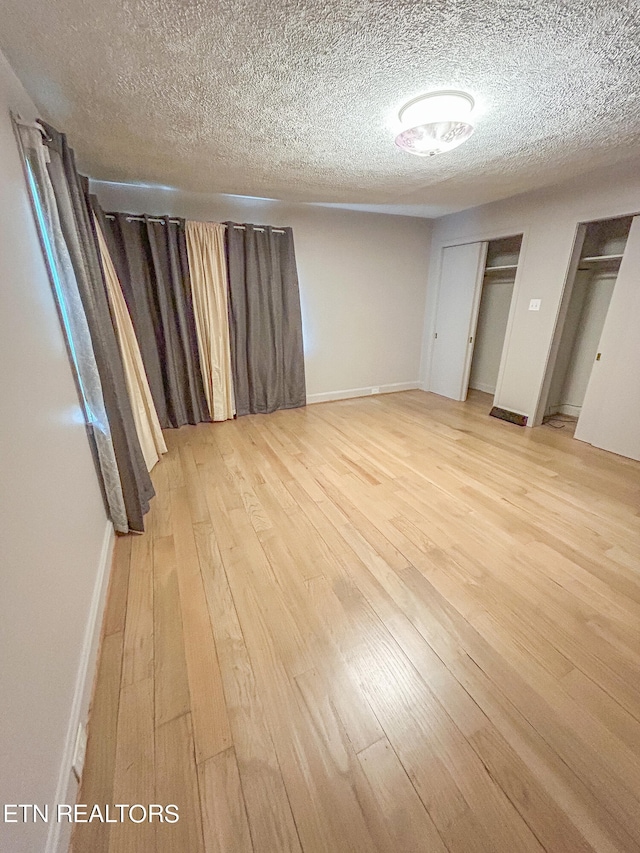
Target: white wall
(490, 332)
(54, 530)
(362, 282)
(592, 317)
(548, 218)
(583, 326)
(567, 341)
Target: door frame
(486, 237)
(561, 317)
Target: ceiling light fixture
(436, 122)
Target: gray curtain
(74, 322)
(265, 320)
(151, 261)
(79, 235)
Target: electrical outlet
(80, 751)
(375, 390)
(534, 304)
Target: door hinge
(436, 335)
(598, 356)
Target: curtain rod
(32, 124)
(162, 221)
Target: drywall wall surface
(53, 518)
(569, 334)
(362, 281)
(490, 333)
(597, 296)
(548, 218)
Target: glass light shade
(435, 122)
(426, 140)
(436, 106)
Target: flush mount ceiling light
(436, 122)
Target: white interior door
(610, 416)
(461, 276)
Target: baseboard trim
(486, 389)
(568, 409)
(328, 396)
(82, 689)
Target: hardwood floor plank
(543, 815)
(573, 727)
(158, 522)
(138, 633)
(339, 689)
(198, 508)
(449, 777)
(314, 753)
(177, 784)
(170, 674)
(224, 815)
(453, 635)
(135, 768)
(408, 823)
(100, 760)
(268, 808)
(600, 704)
(212, 733)
(116, 604)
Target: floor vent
(506, 415)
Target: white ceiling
(293, 99)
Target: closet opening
(597, 254)
(493, 314)
(474, 301)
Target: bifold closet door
(461, 276)
(610, 416)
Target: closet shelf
(594, 260)
(501, 268)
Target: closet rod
(157, 219)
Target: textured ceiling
(293, 100)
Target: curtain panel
(145, 416)
(74, 321)
(208, 270)
(77, 227)
(151, 262)
(265, 319)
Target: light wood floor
(385, 624)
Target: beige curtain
(144, 412)
(208, 271)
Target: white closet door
(458, 299)
(610, 416)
